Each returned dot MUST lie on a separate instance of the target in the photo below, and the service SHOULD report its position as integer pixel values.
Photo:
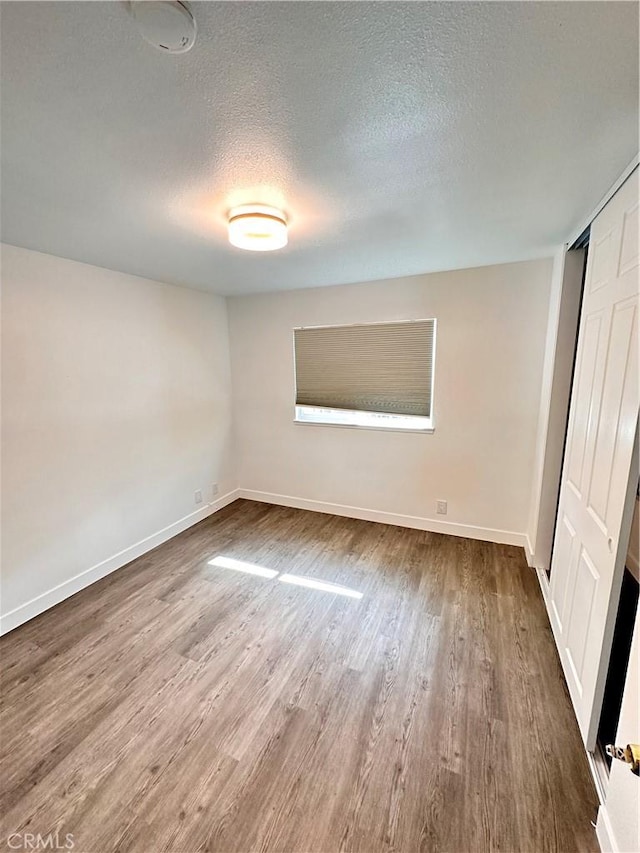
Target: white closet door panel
(589, 551)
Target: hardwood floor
(179, 706)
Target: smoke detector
(166, 24)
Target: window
(375, 375)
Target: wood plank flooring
(179, 706)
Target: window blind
(375, 367)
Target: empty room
(320, 445)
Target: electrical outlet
(214, 489)
(441, 507)
(197, 496)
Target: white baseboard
(545, 588)
(469, 531)
(543, 580)
(528, 552)
(46, 600)
(604, 832)
(40, 603)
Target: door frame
(539, 501)
(600, 778)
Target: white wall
(562, 326)
(490, 349)
(115, 408)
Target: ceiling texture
(400, 138)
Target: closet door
(589, 548)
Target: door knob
(630, 754)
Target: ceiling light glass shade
(257, 228)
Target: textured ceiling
(399, 137)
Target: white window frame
(349, 419)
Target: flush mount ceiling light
(166, 24)
(257, 228)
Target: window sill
(425, 431)
(318, 416)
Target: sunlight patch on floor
(240, 566)
(297, 580)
